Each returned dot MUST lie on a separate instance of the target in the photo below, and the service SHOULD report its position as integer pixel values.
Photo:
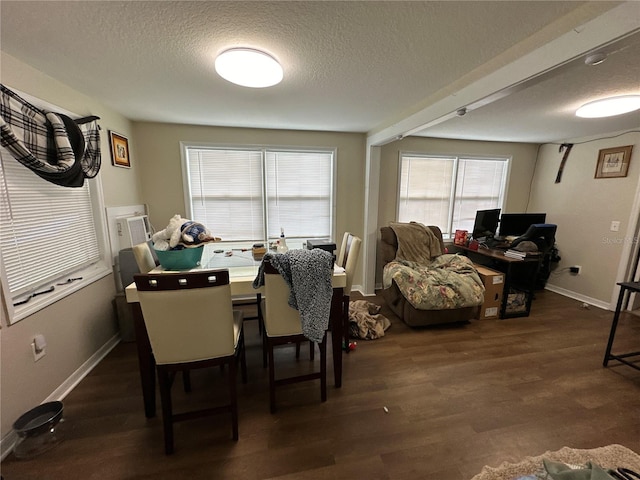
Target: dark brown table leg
(337, 333)
(259, 307)
(345, 323)
(146, 362)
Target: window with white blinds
(46, 231)
(248, 195)
(448, 190)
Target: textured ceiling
(544, 108)
(349, 66)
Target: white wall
(583, 207)
(79, 326)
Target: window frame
(448, 231)
(292, 242)
(89, 273)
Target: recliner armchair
(400, 305)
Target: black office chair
(542, 234)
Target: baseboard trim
(9, 441)
(360, 290)
(577, 296)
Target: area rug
(611, 456)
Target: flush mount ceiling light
(249, 68)
(608, 107)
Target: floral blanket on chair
(448, 282)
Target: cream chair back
(189, 316)
(279, 318)
(352, 253)
(144, 257)
(343, 249)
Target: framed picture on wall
(613, 162)
(119, 150)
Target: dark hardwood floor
(457, 398)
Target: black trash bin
(38, 430)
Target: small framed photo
(613, 162)
(119, 150)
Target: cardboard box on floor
(493, 290)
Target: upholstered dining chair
(144, 257)
(348, 258)
(282, 326)
(146, 261)
(343, 249)
(192, 325)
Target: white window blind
(226, 192)
(447, 191)
(426, 187)
(248, 195)
(299, 193)
(46, 231)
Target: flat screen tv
(486, 223)
(516, 224)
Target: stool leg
(614, 326)
(264, 350)
(323, 369)
(233, 394)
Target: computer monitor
(486, 223)
(516, 224)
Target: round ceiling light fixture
(249, 68)
(608, 107)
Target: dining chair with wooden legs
(348, 259)
(191, 325)
(144, 257)
(146, 262)
(282, 326)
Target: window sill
(89, 275)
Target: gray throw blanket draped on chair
(308, 274)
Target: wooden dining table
(242, 272)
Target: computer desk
(496, 259)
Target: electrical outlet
(615, 226)
(37, 355)
(575, 270)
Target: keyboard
(498, 243)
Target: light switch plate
(37, 355)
